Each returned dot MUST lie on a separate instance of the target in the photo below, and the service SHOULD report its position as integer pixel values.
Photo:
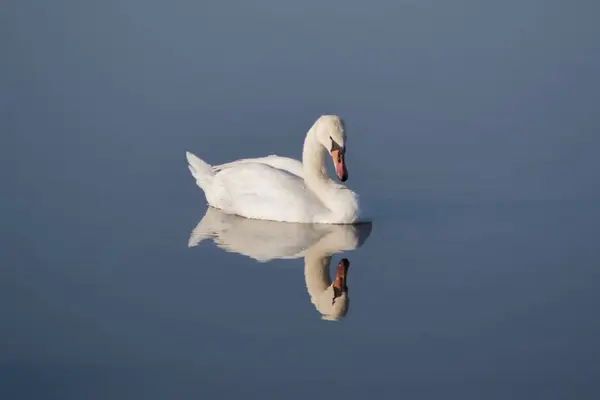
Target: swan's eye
(335, 146)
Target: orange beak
(340, 166)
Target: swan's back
(284, 163)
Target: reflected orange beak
(340, 166)
(339, 284)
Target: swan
(283, 189)
(268, 240)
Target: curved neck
(315, 171)
(313, 158)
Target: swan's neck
(313, 158)
(315, 171)
(341, 204)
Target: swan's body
(283, 189)
(267, 240)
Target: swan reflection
(267, 240)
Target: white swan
(267, 240)
(283, 189)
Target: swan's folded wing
(257, 190)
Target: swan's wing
(287, 164)
(257, 190)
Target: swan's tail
(200, 170)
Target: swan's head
(331, 134)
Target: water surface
(472, 132)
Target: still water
(472, 136)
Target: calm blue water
(473, 131)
